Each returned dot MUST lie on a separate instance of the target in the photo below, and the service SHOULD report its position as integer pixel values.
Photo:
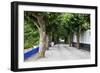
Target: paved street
(62, 52)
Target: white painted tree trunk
(47, 42)
(42, 45)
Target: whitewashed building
(85, 40)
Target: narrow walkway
(62, 52)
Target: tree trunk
(47, 42)
(42, 45)
(69, 40)
(42, 31)
(50, 37)
(57, 39)
(65, 39)
(53, 38)
(72, 38)
(78, 37)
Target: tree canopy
(57, 26)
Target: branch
(39, 19)
(34, 15)
(37, 26)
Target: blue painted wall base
(30, 53)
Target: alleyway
(62, 52)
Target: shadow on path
(62, 52)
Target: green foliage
(31, 35)
(58, 25)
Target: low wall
(30, 53)
(85, 40)
(82, 46)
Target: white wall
(5, 36)
(85, 37)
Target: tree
(41, 25)
(31, 35)
(80, 23)
(53, 25)
(37, 19)
(75, 23)
(67, 25)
